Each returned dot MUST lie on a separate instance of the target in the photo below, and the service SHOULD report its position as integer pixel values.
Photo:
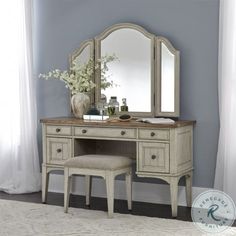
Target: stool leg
(110, 192)
(128, 180)
(88, 185)
(67, 186)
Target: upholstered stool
(107, 166)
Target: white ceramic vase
(80, 104)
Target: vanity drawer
(58, 130)
(105, 132)
(154, 134)
(153, 157)
(58, 150)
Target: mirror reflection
(83, 55)
(167, 79)
(131, 73)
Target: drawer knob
(153, 157)
(122, 132)
(59, 150)
(84, 131)
(58, 130)
(152, 134)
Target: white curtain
(225, 176)
(19, 163)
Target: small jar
(113, 106)
(102, 106)
(124, 106)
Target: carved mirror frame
(156, 59)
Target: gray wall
(192, 27)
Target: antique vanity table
(147, 75)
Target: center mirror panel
(132, 73)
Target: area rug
(34, 219)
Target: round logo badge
(213, 211)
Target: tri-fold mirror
(146, 72)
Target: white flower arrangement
(80, 77)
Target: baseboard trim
(142, 192)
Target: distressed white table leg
(174, 195)
(67, 188)
(88, 186)
(128, 180)
(188, 179)
(45, 180)
(110, 192)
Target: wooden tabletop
(131, 123)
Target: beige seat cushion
(101, 162)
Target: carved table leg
(174, 195)
(67, 188)
(188, 179)
(45, 180)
